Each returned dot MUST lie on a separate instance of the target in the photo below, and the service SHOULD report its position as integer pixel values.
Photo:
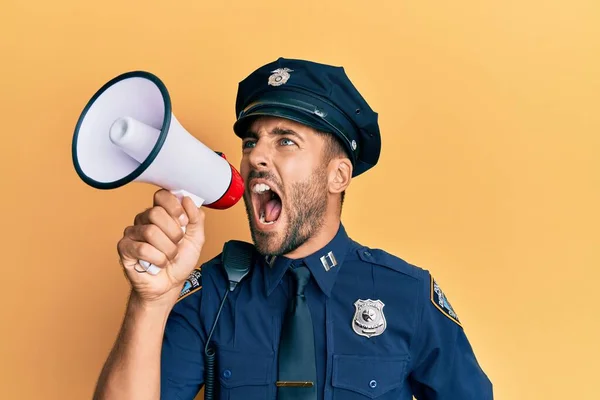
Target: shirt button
(366, 253)
(373, 384)
(226, 373)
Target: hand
(156, 236)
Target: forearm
(132, 370)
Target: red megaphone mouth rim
(234, 192)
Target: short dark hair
(333, 149)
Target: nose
(259, 156)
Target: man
(318, 316)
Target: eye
(248, 144)
(287, 142)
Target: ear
(340, 175)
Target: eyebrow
(276, 131)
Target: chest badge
(369, 319)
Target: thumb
(194, 230)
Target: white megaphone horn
(128, 133)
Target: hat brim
(242, 125)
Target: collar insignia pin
(270, 260)
(368, 320)
(328, 261)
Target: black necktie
(297, 378)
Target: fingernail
(183, 220)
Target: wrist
(159, 306)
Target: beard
(303, 205)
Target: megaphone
(128, 133)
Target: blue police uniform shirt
(383, 330)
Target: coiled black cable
(209, 359)
(209, 379)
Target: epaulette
(383, 258)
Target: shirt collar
(323, 264)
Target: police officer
(318, 315)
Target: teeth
(262, 219)
(260, 188)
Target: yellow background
(489, 174)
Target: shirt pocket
(358, 377)
(244, 375)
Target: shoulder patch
(440, 301)
(192, 284)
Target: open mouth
(267, 203)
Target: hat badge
(279, 76)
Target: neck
(327, 232)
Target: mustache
(260, 175)
(266, 175)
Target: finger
(167, 200)
(158, 216)
(154, 236)
(142, 218)
(133, 251)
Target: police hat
(318, 95)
